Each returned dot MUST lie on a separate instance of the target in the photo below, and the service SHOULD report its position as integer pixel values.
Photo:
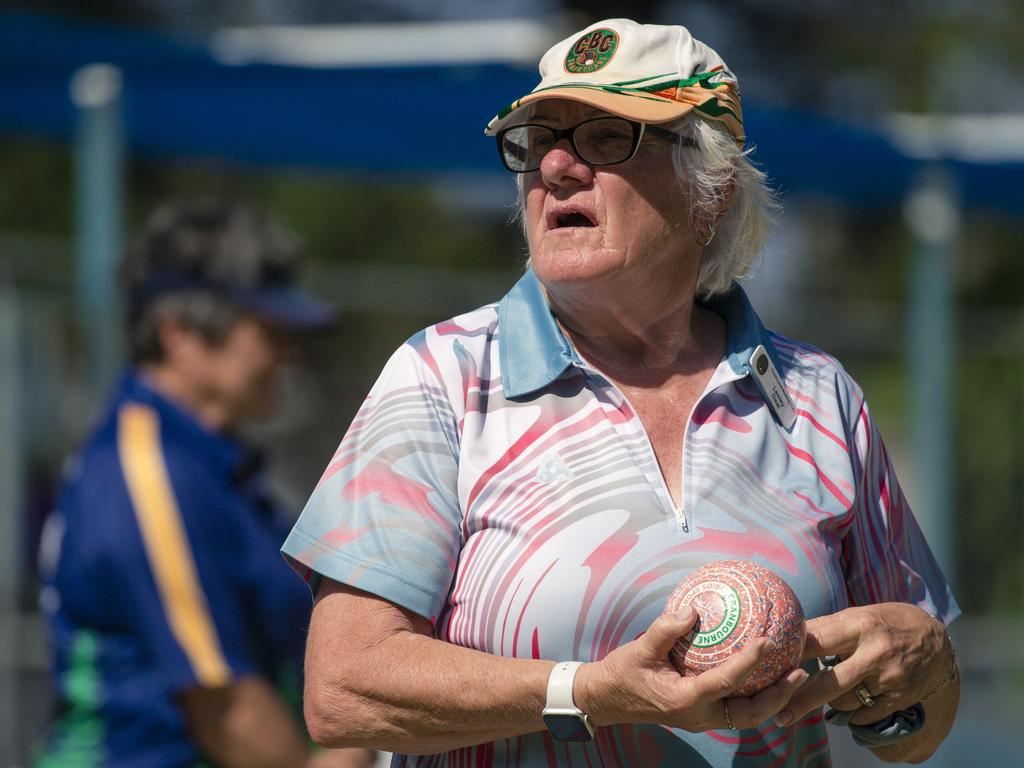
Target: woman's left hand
(896, 651)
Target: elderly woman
(527, 483)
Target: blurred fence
(44, 410)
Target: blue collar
(216, 448)
(535, 352)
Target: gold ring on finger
(866, 699)
(728, 720)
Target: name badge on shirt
(770, 383)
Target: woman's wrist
(953, 668)
(586, 693)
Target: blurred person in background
(493, 544)
(177, 630)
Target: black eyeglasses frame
(640, 129)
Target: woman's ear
(177, 340)
(726, 198)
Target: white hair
(716, 172)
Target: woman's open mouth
(574, 219)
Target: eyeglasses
(599, 141)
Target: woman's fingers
(636, 681)
(847, 702)
(894, 650)
(833, 635)
(638, 677)
(667, 630)
(749, 712)
(721, 681)
(827, 686)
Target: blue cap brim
(289, 308)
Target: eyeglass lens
(602, 141)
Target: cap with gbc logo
(645, 72)
(592, 51)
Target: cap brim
(646, 109)
(291, 308)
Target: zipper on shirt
(713, 385)
(679, 512)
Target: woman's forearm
(376, 678)
(426, 696)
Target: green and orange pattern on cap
(719, 100)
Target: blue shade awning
(180, 101)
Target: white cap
(646, 72)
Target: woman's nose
(561, 165)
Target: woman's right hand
(636, 683)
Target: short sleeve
(194, 635)
(885, 555)
(167, 564)
(385, 517)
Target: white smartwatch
(564, 719)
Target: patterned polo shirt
(497, 484)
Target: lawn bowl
(738, 602)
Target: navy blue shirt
(161, 573)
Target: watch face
(567, 727)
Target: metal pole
(932, 214)
(96, 93)
(11, 509)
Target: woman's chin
(573, 265)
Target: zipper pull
(681, 517)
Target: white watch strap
(560, 685)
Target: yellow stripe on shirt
(163, 533)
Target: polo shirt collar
(217, 448)
(534, 351)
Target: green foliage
(340, 217)
(990, 271)
(990, 462)
(35, 187)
